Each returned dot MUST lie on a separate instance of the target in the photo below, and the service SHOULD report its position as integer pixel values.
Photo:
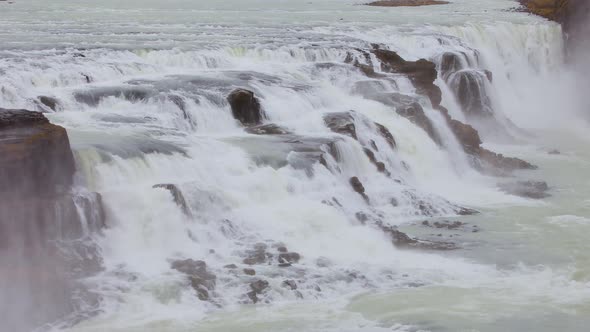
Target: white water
(524, 268)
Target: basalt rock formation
(39, 219)
(423, 73)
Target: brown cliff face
(574, 15)
(38, 214)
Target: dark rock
(252, 295)
(267, 129)
(378, 164)
(554, 152)
(470, 90)
(341, 123)
(386, 135)
(245, 107)
(93, 97)
(250, 272)
(300, 152)
(259, 286)
(231, 266)
(528, 189)
(36, 155)
(282, 249)
(177, 196)
(422, 73)
(450, 63)
(257, 255)
(358, 187)
(291, 284)
(494, 160)
(201, 279)
(50, 102)
(403, 241)
(289, 257)
(489, 75)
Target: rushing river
(141, 88)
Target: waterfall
(181, 181)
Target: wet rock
(267, 129)
(258, 287)
(36, 155)
(245, 107)
(177, 196)
(201, 279)
(231, 266)
(92, 97)
(290, 284)
(49, 102)
(358, 187)
(341, 123)
(289, 258)
(451, 62)
(449, 225)
(470, 90)
(40, 223)
(378, 164)
(249, 272)
(554, 152)
(282, 249)
(300, 152)
(403, 241)
(483, 159)
(422, 73)
(410, 108)
(257, 255)
(386, 134)
(491, 160)
(528, 189)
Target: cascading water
(308, 223)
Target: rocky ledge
(406, 3)
(40, 222)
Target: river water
(141, 89)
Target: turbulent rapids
(386, 173)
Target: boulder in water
(49, 102)
(528, 189)
(258, 287)
(358, 187)
(245, 107)
(201, 279)
(341, 123)
(267, 129)
(176, 195)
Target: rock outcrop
(422, 73)
(201, 279)
(245, 107)
(39, 221)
